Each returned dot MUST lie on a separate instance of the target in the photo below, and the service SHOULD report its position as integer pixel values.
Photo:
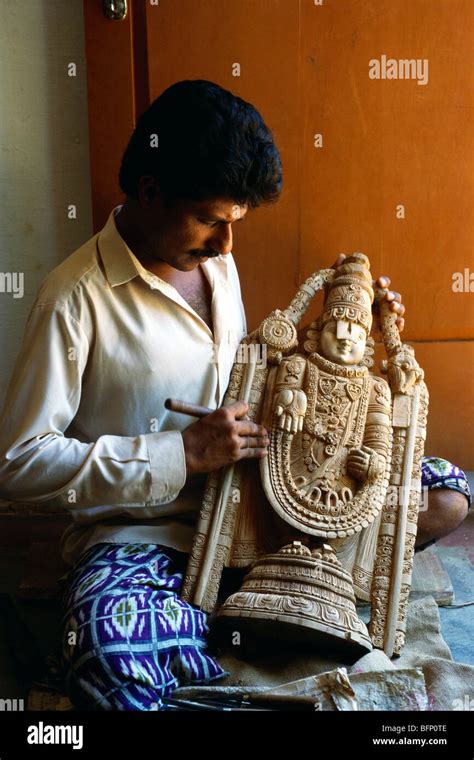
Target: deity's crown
(350, 295)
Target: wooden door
(382, 165)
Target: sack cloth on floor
(373, 682)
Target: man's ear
(147, 190)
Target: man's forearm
(143, 470)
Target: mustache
(209, 254)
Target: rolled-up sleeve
(38, 462)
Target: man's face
(342, 342)
(189, 232)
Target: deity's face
(342, 342)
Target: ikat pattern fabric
(439, 473)
(128, 639)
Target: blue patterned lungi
(128, 639)
(439, 473)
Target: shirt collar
(116, 256)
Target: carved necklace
(337, 403)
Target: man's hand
(223, 437)
(395, 301)
(392, 297)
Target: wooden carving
(333, 515)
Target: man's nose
(222, 239)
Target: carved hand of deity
(365, 464)
(290, 408)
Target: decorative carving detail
(305, 475)
(309, 590)
(396, 542)
(277, 332)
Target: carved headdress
(350, 295)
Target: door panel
(202, 40)
(109, 52)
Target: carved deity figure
(327, 522)
(331, 426)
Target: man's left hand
(395, 301)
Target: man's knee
(446, 510)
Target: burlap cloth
(424, 677)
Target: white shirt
(84, 424)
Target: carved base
(301, 596)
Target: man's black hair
(211, 144)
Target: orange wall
(449, 375)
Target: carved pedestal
(298, 595)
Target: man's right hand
(223, 437)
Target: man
(129, 319)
